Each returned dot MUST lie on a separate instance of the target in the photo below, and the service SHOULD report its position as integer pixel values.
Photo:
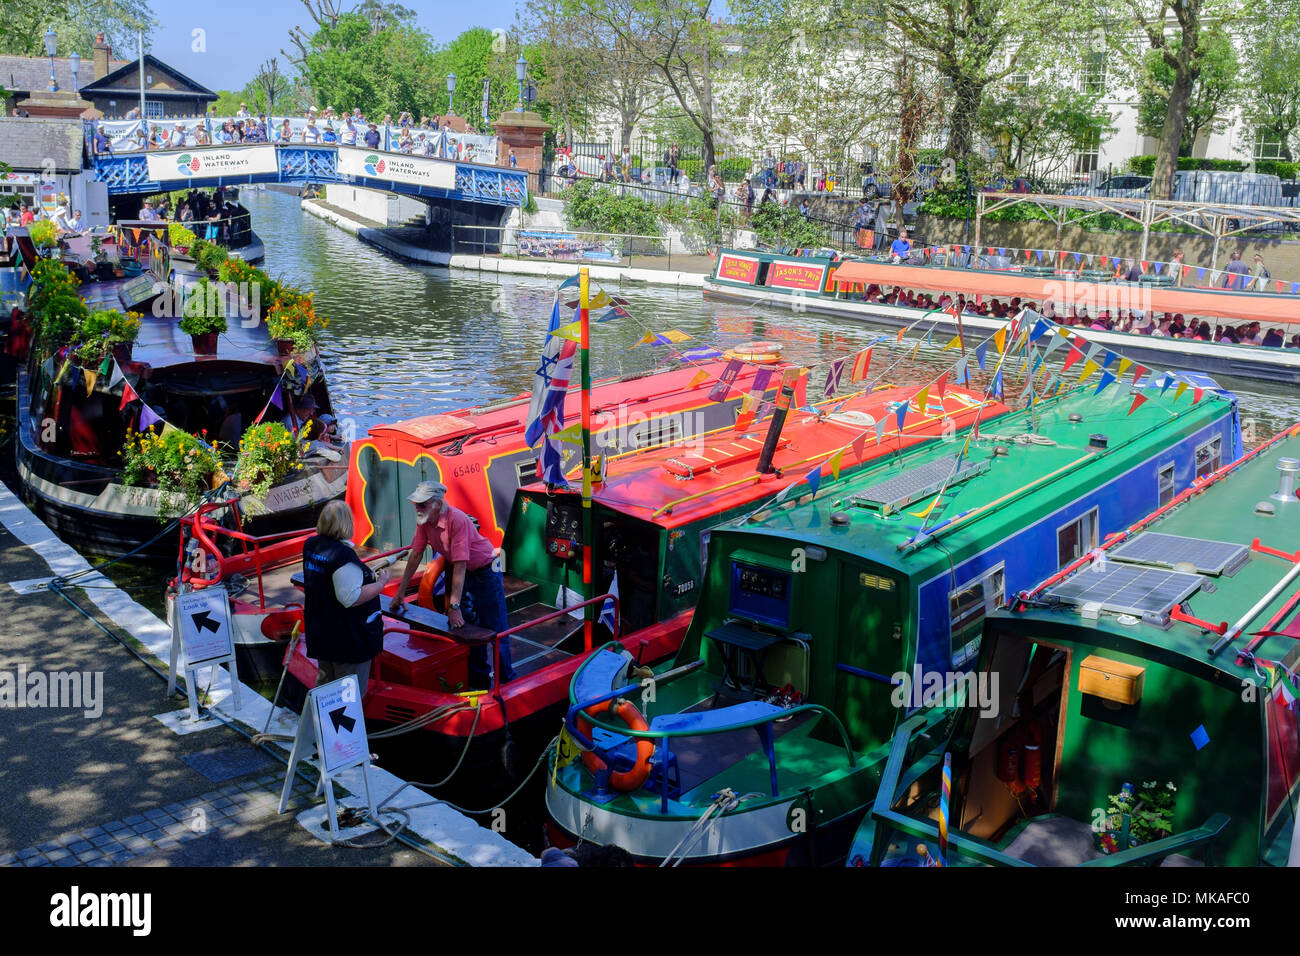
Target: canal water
(407, 340)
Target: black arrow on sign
(202, 621)
(339, 718)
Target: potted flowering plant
(203, 316)
(1150, 813)
(107, 330)
(267, 453)
(176, 463)
(181, 238)
(44, 236)
(292, 320)
(253, 286)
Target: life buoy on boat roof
(626, 711)
(762, 353)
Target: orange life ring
(626, 779)
(762, 353)
(428, 581)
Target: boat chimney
(1098, 442)
(1288, 467)
(783, 399)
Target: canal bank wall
(408, 243)
(123, 778)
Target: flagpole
(588, 590)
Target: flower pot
(122, 352)
(284, 346)
(205, 343)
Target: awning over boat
(1262, 307)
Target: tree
(1181, 47)
(75, 22)
(473, 57)
(346, 65)
(270, 87)
(1037, 126)
(1211, 91)
(675, 41)
(1270, 67)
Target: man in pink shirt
(471, 576)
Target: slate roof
(26, 143)
(151, 63)
(26, 74)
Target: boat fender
(429, 581)
(624, 710)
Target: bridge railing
(136, 136)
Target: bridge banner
(208, 162)
(375, 164)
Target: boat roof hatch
(1170, 550)
(1149, 593)
(916, 483)
(427, 430)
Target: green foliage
(204, 309)
(1212, 93)
(1039, 125)
(43, 234)
(267, 453)
(75, 23)
(175, 462)
(179, 236)
(1145, 166)
(784, 226)
(350, 65)
(594, 208)
(1150, 811)
(104, 328)
(53, 306)
(700, 218)
(208, 256)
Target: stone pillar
(524, 133)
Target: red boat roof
(676, 485)
(659, 389)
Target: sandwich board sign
(334, 725)
(202, 632)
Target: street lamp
(51, 46)
(75, 60)
(521, 73)
(451, 88)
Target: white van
(1231, 189)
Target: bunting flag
(916, 348)
(961, 373)
(900, 334)
(148, 417)
(1196, 394)
(1077, 258)
(861, 365)
(836, 461)
(1002, 251)
(1039, 253)
(571, 434)
(1104, 260)
(1091, 354)
(1000, 340)
(790, 378)
(1157, 266)
(814, 478)
(925, 513)
(1166, 382)
(1107, 378)
(106, 365)
(699, 378)
(1110, 357)
(128, 396)
(550, 386)
(1200, 274)
(996, 388)
(1178, 392)
(860, 446)
(833, 377)
(922, 397)
(1138, 399)
(1138, 372)
(745, 417)
(599, 301)
(1144, 266)
(1056, 342)
(571, 283)
(1073, 357)
(720, 391)
(992, 250)
(900, 413)
(1124, 364)
(572, 332)
(1040, 327)
(956, 341)
(91, 375)
(702, 353)
(981, 351)
(670, 337)
(1089, 366)
(941, 385)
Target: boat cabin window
(630, 569)
(526, 471)
(1165, 484)
(1208, 457)
(665, 430)
(1077, 538)
(967, 606)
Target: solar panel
(916, 483)
(1127, 589)
(1168, 550)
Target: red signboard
(738, 269)
(795, 275)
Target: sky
(236, 36)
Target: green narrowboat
(764, 739)
(1145, 711)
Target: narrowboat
(842, 286)
(763, 740)
(73, 421)
(479, 453)
(1145, 705)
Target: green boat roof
(1055, 461)
(1222, 511)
